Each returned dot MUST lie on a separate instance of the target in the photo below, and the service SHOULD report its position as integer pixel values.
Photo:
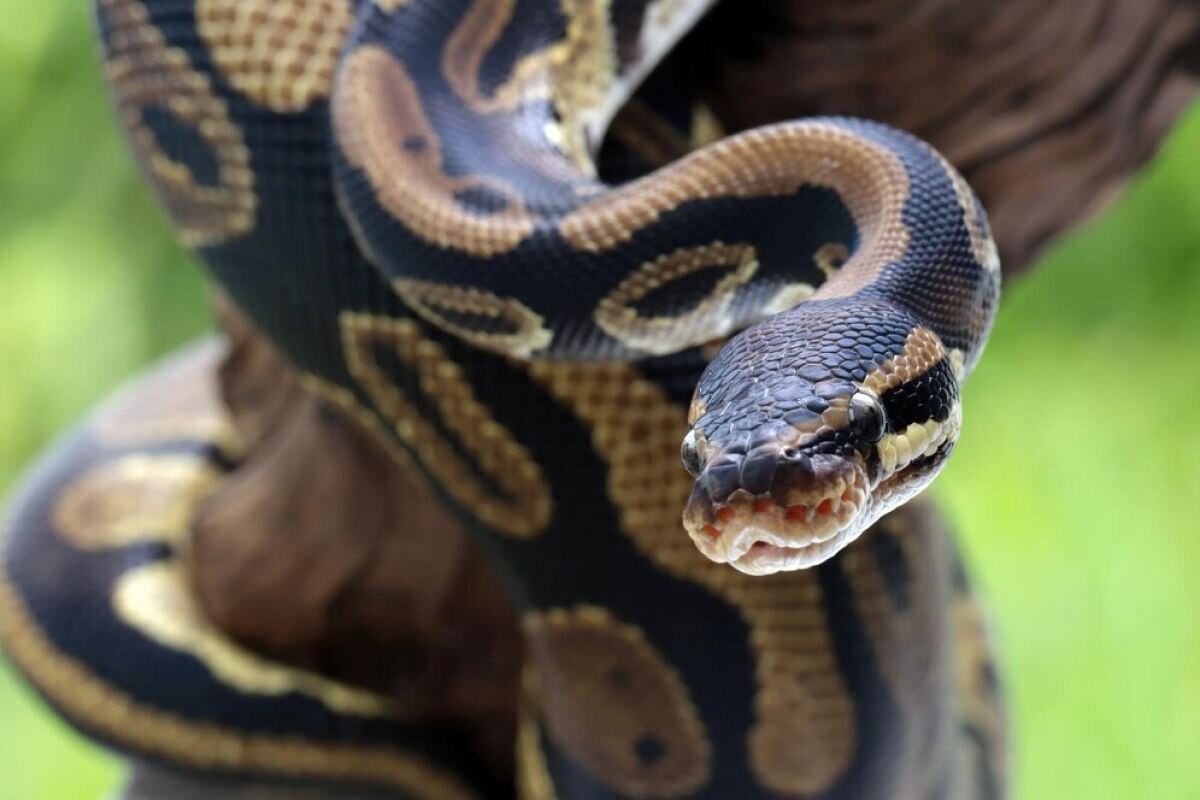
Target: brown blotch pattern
(615, 705)
(135, 498)
(383, 130)
(980, 706)
(909, 644)
(281, 54)
(526, 331)
(983, 247)
(870, 180)
(804, 735)
(708, 319)
(145, 72)
(156, 600)
(575, 73)
(111, 713)
(186, 406)
(524, 506)
(922, 350)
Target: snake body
(404, 197)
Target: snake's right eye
(689, 456)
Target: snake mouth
(780, 530)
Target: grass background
(1074, 485)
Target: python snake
(405, 197)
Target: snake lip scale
(789, 529)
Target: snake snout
(770, 511)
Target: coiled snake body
(403, 195)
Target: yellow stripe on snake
(405, 197)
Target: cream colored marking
(390, 6)
(706, 128)
(524, 508)
(281, 54)
(528, 330)
(663, 24)
(134, 498)
(604, 688)
(983, 247)
(377, 111)
(958, 364)
(155, 601)
(787, 297)
(145, 72)
(978, 705)
(804, 733)
(533, 775)
(708, 319)
(869, 178)
(109, 712)
(185, 405)
(831, 257)
(574, 73)
(922, 350)
(909, 645)
(898, 450)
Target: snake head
(808, 427)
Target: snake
(493, 236)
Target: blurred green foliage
(1073, 487)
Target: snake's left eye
(867, 416)
(689, 456)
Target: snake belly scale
(405, 198)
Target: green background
(1074, 485)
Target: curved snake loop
(406, 197)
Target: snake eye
(689, 456)
(867, 416)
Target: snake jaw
(788, 528)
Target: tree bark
(1046, 107)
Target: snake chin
(776, 532)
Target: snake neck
(465, 170)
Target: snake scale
(405, 197)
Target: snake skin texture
(404, 196)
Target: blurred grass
(1073, 485)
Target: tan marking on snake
(134, 498)
(574, 73)
(525, 330)
(524, 506)
(109, 712)
(804, 735)
(533, 774)
(381, 126)
(281, 54)
(979, 706)
(154, 600)
(145, 73)
(186, 407)
(708, 319)
(605, 689)
(983, 247)
(922, 351)
(869, 178)
(830, 258)
(908, 645)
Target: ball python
(405, 197)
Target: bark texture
(321, 550)
(1047, 107)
